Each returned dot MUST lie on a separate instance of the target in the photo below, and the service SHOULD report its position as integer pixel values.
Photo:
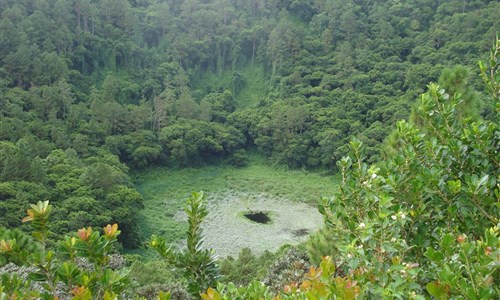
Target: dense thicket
(87, 86)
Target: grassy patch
(165, 190)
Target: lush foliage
(91, 88)
(246, 267)
(88, 192)
(88, 85)
(197, 264)
(80, 268)
(318, 283)
(422, 221)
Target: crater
(260, 217)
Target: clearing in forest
(239, 201)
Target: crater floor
(227, 231)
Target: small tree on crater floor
(198, 265)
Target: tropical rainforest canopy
(92, 90)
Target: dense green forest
(90, 89)
(93, 90)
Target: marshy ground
(288, 198)
(227, 230)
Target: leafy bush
(151, 291)
(290, 267)
(317, 283)
(246, 267)
(198, 265)
(23, 245)
(63, 274)
(462, 268)
(238, 158)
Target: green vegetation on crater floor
(164, 190)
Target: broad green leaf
(437, 290)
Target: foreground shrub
(317, 283)
(81, 268)
(291, 267)
(465, 268)
(246, 267)
(441, 181)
